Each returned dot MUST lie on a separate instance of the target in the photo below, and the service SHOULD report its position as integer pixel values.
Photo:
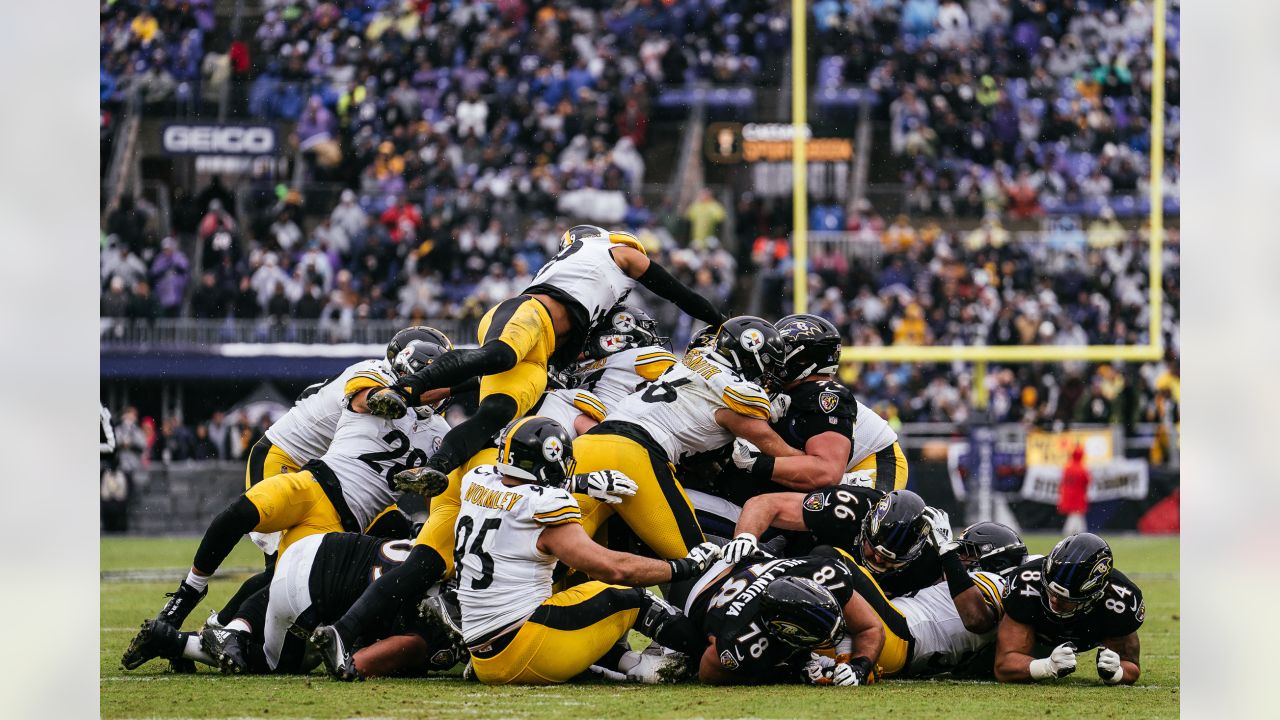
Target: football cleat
(443, 614)
(212, 620)
(182, 666)
(156, 639)
(426, 481)
(337, 661)
(386, 403)
(227, 647)
(658, 665)
(180, 604)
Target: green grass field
(152, 692)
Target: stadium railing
(188, 332)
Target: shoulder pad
(590, 405)
(554, 506)
(746, 398)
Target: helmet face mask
(536, 450)
(622, 328)
(991, 547)
(1075, 575)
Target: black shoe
(182, 666)
(337, 661)
(157, 639)
(181, 602)
(443, 616)
(227, 647)
(386, 403)
(426, 481)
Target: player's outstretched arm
(391, 656)
(782, 510)
(822, 464)
(755, 431)
(866, 632)
(1014, 662)
(1118, 660)
(665, 285)
(571, 544)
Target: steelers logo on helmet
(610, 344)
(751, 340)
(552, 449)
(624, 322)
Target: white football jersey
(586, 272)
(305, 432)
(871, 434)
(565, 405)
(367, 450)
(679, 409)
(502, 576)
(616, 376)
(941, 642)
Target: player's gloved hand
(741, 548)
(1109, 668)
(778, 406)
(609, 486)
(939, 530)
(387, 403)
(745, 454)
(695, 563)
(845, 675)
(818, 670)
(1060, 663)
(859, 478)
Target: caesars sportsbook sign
(220, 146)
(767, 149)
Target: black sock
(669, 627)
(254, 610)
(456, 366)
(474, 434)
(250, 586)
(385, 597)
(224, 532)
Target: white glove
(605, 673)
(609, 486)
(818, 670)
(1060, 663)
(1109, 668)
(740, 548)
(844, 675)
(939, 530)
(745, 454)
(859, 478)
(778, 406)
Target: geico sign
(219, 139)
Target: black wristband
(683, 569)
(958, 579)
(763, 469)
(863, 666)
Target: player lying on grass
(1070, 602)
(315, 581)
(516, 523)
(346, 489)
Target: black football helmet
(622, 328)
(813, 346)
(801, 613)
(894, 532)
(415, 355)
(536, 449)
(753, 347)
(416, 333)
(703, 339)
(992, 547)
(582, 232)
(1075, 574)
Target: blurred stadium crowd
(468, 135)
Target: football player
(832, 516)
(346, 489)
(843, 439)
(516, 522)
(714, 395)
(314, 582)
(894, 544)
(764, 618)
(623, 352)
(546, 324)
(1072, 601)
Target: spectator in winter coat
(1073, 501)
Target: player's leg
(574, 628)
(290, 603)
(267, 460)
(891, 468)
(659, 513)
(523, 327)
